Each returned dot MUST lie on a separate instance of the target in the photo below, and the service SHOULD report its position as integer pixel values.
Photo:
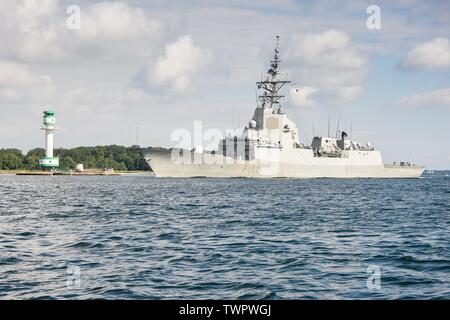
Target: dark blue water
(139, 237)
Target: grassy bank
(17, 171)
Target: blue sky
(160, 65)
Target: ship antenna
(328, 126)
(337, 127)
(307, 130)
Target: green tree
(38, 152)
(31, 162)
(67, 163)
(111, 163)
(113, 156)
(9, 160)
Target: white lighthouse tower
(49, 161)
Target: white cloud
(116, 31)
(436, 98)
(117, 22)
(30, 12)
(36, 31)
(15, 74)
(328, 62)
(18, 82)
(429, 55)
(180, 65)
(348, 93)
(102, 100)
(302, 97)
(330, 48)
(28, 30)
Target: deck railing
(403, 165)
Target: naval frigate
(269, 147)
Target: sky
(121, 72)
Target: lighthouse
(49, 161)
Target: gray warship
(269, 147)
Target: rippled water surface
(140, 237)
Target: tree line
(117, 157)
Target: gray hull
(166, 163)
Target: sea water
(141, 237)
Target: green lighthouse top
(49, 118)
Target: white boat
(269, 147)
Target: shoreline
(68, 173)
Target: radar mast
(272, 83)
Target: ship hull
(165, 164)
